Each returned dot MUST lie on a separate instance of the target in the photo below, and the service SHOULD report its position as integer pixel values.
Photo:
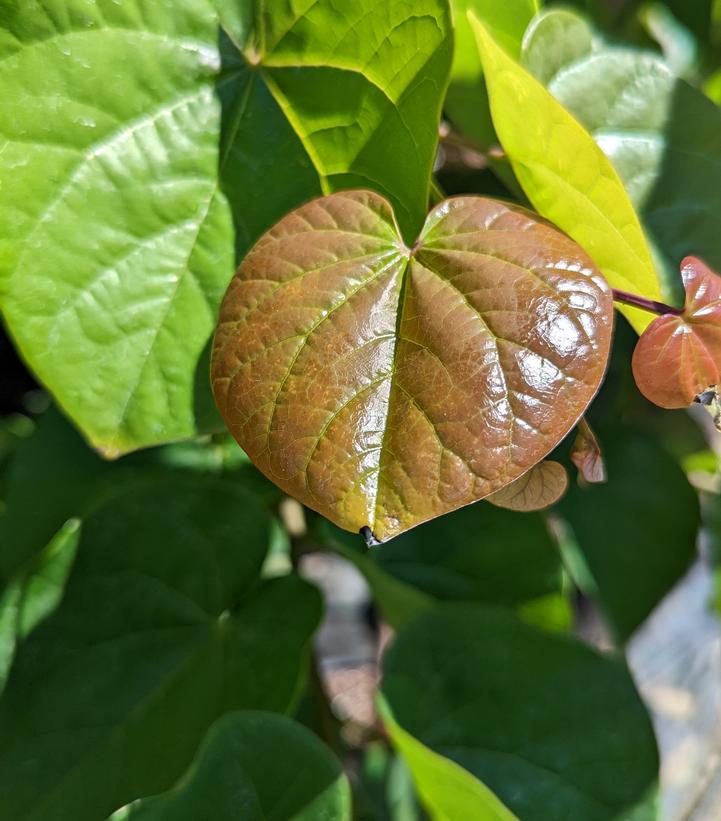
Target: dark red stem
(645, 304)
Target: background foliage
(155, 631)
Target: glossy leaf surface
(632, 538)
(678, 357)
(170, 145)
(662, 135)
(553, 728)
(164, 626)
(383, 386)
(565, 175)
(254, 766)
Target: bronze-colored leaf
(586, 454)
(679, 355)
(382, 385)
(542, 486)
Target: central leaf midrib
(400, 313)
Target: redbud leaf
(678, 357)
(541, 487)
(586, 455)
(383, 385)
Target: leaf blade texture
(382, 385)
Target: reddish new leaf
(586, 455)
(382, 385)
(678, 356)
(542, 486)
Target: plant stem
(644, 304)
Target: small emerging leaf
(586, 455)
(383, 386)
(541, 487)
(678, 356)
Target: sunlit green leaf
(466, 101)
(169, 145)
(449, 791)
(662, 135)
(565, 175)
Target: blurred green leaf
(712, 87)
(383, 789)
(479, 553)
(566, 176)
(633, 537)
(677, 43)
(164, 626)
(238, 770)
(662, 135)
(33, 595)
(170, 145)
(553, 728)
(56, 466)
(570, 36)
(448, 790)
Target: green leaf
(466, 103)
(467, 99)
(170, 144)
(30, 597)
(382, 385)
(450, 792)
(566, 176)
(480, 553)
(553, 40)
(553, 728)
(633, 537)
(237, 772)
(54, 464)
(662, 135)
(164, 626)
(678, 44)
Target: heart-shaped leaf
(382, 385)
(679, 355)
(143, 144)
